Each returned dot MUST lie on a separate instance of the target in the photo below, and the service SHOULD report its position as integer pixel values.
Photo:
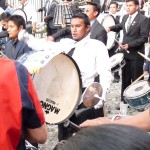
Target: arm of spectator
(61, 33)
(141, 120)
(38, 135)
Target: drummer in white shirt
(92, 59)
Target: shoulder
(97, 44)
(9, 42)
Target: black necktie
(70, 53)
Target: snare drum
(137, 95)
(117, 62)
(58, 84)
(107, 20)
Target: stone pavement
(112, 100)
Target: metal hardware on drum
(29, 146)
(71, 124)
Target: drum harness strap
(70, 53)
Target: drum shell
(117, 62)
(141, 94)
(138, 103)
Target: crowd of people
(84, 39)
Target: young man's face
(13, 30)
(113, 8)
(78, 29)
(4, 24)
(89, 11)
(131, 8)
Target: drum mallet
(144, 56)
(140, 77)
(119, 43)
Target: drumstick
(138, 78)
(119, 43)
(147, 58)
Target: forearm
(37, 135)
(141, 120)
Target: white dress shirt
(92, 59)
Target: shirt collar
(133, 15)
(91, 22)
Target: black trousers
(130, 72)
(65, 132)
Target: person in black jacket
(97, 31)
(135, 28)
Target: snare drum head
(137, 90)
(108, 21)
(20, 12)
(116, 59)
(59, 88)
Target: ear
(21, 27)
(95, 13)
(88, 28)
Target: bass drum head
(59, 88)
(20, 12)
(137, 90)
(107, 20)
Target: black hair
(5, 16)
(136, 2)
(109, 137)
(115, 3)
(96, 6)
(82, 16)
(18, 21)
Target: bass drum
(57, 83)
(107, 20)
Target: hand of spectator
(95, 122)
